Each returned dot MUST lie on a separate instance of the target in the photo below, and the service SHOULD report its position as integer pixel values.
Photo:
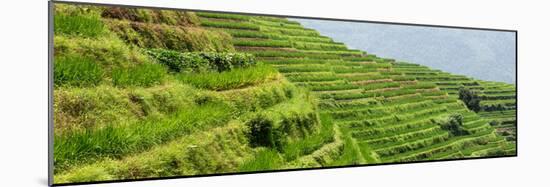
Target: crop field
(142, 93)
(497, 100)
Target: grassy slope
(121, 115)
(370, 109)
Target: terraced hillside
(497, 100)
(145, 93)
(390, 110)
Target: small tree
(263, 133)
(470, 98)
(453, 124)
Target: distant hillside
(147, 93)
(481, 54)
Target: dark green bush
(178, 62)
(494, 107)
(470, 98)
(284, 123)
(201, 61)
(453, 124)
(263, 133)
(146, 74)
(76, 71)
(88, 26)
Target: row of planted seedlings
(278, 34)
(475, 136)
(367, 124)
(428, 90)
(437, 93)
(471, 122)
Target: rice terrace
(147, 93)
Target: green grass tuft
(76, 71)
(265, 159)
(236, 78)
(201, 61)
(115, 141)
(310, 143)
(143, 75)
(88, 26)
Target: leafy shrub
(227, 61)
(88, 26)
(146, 74)
(201, 61)
(76, 71)
(179, 62)
(470, 98)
